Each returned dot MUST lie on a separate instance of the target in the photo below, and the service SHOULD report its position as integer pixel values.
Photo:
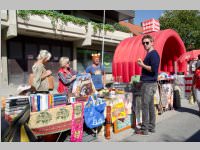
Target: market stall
(114, 109)
(59, 113)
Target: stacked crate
(188, 85)
(151, 25)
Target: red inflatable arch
(168, 44)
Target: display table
(53, 120)
(59, 119)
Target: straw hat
(23, 87)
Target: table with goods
(84, 114)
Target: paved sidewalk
(172, 126)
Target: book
(38, 103)
(14, 108)
(16, 98)
(17, 103)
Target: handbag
(50, 80)
(93, 118)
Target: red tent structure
(168, 44)
(191, 55)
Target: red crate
(151, 25)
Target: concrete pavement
(182, 125)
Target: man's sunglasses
(145, 43)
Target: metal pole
(104, 12)
(175, 67)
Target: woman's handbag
(93, 118)
(50, 80)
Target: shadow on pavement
(188, 110)
(194, 138)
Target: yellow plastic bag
(23, 135)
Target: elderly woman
(40, 81)
(66, 76)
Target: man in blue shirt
(97, 72)
(149, 76)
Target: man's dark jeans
(148, 110)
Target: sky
(141, 15)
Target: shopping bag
(93, 118)
(100, 104)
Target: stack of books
(59, 100)
(15, 105)
(40, 102)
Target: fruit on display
(118, 91)
(103, 92)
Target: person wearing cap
(40, 81)
(66, 76)
(97, 72)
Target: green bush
(55, 15)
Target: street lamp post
(104, 12)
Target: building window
(56, 53)
(108, 57)
(44, 47)
(23, 52)
(84, 59)
(15, 50)
(67, 52)
(31, 51)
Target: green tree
(186, 23)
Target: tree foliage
(186, 23)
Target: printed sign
(118, 111)
(83, 86)
(54, 120)
(127, 98)
(77, 126)
(123, 124)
